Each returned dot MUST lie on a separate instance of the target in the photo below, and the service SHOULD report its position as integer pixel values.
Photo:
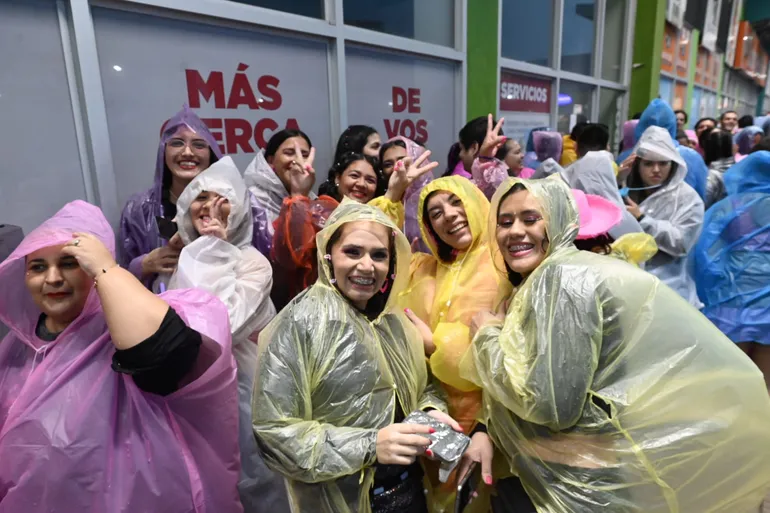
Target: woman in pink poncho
(112, 399)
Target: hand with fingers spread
(480, 451)
(217, 224)
(92, 255)
(405, 172)
(424, 329)
(302, 173)
(493, 140)
(401, 444)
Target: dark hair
(593, 137)
(725, 113)
(452, 159)
(763, 145)
(446, 253)
(167, 177)
(388, 145)
(353, 139)
(686, 117)
(638, 115)
(376, 303)
(701, 120)
(515, 278)
(680, 134)
(474, 131)
(279, 138)
(634, 181)
(717, 145)
(746, 121)
(603, 241)
(577, 130)
(329, 187)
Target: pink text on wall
(236, 134)
(406, 101)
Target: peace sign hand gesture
(493, 140)
(405, 173)
(217, 226)
(302, 172)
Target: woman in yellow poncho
(339, 368)
(603, 389)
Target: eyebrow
(356, 246)
(522, 213)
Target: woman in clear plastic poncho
(596, 396)
(666, 208)
(186, 148)
(215, 227)
(104, 383)
(338, 370)
(732, 259)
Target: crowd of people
(598, 326)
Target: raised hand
(405, 173)
(217, 226)
(302, 176)
(92, 255)
(493, 140)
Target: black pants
(511, 497)
(396, 495)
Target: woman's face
(703, 126)
(358, 182)
(200, 209)
(468, 155)
(373, 143)
(680, 120)
(446, 215)
(514, 158)
(57, 284)
(521, 232)
(654, 173)
(281, 162)
(360, 260)
(390, 157)
(187, 154)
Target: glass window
(610, 114)
(41, 168)
(403, 95)
(528, 31)
(525, 103)
(577, 45)
(614, 38)
(432, 21)
(574, 100)
(245, 85)
(312, 8)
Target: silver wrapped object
(446, 444)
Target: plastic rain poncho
(328, 380)
(569, 151)
(629, 140)
(605, 391)
(77, 436)
(446, 295)
(530, 156)
(673, 214)
(732, 257)
(138, 228)
(548, 145)
(660, 114)
(241, 277)
(745, 139)
(593, 174)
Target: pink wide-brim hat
(597, 215)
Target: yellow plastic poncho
(446, 295)
(606, 391)
(328, 380)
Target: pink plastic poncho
(76, 436)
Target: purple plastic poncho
(548, 145)
(76, 436)
(138, 229)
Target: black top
(169, 209)
(159, 363)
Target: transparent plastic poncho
(328, 379)
(605, 391)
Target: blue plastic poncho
(732, 257)
(659, 113)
